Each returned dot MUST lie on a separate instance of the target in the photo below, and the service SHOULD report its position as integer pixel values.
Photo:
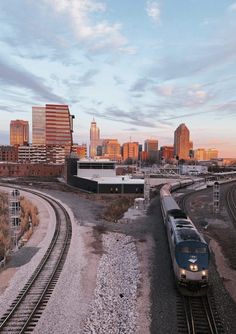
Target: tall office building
(200, 154)
(131, 151)
(19, 132)
(151, 147)
(205, 154)
(166, 153)
(211, 153)
(80, 150)
(59, 125)
(38, 126)
(111, 149)
(182, 143)
(94, 139)
(52, 126)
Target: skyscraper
(52, 126)
(130, 151)
(166, 153)
(38, 126)
(19, 132)
(111, 149)
(181, 142)
(151, 147)
(59, 126)
(94, 139)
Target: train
(189, 251)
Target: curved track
(25, 311)
(231, 202)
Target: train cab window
(185, 250)
(184, 222)
(201, 250)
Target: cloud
(130, 50)
(198, 95)
(206, 58)
(80, 12)
(153, 11)
(16, 76)
(8, 109)
(220, 110)
(141, 85)
(225, 109)
(165, 90)
(97, 102)
(118, 80)
(85, 80)
(62, 27)
(173, 97)
(135, 116)
(232, 7)
(131, 129)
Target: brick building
(10, 169)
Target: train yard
(151, 303)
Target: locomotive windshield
(183, 222)
(193, 250)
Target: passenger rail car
(189, 251)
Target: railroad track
(231, 202)
(26, 310)
(196, 315)
(182, 201)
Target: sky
(138, 67)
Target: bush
(29, 214)
(117, 208)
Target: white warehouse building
(193, 169)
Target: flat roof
(114, 180)
(96, 161)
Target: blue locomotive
(189, 251)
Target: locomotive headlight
(183, 272)
(193, 267)
(203, 273)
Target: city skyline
(139, 76)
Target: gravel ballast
(114, 309)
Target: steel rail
(209, 314)
(231, 202)
(200, 317)
(45, 281)
(27, 323)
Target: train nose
(193, 267)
